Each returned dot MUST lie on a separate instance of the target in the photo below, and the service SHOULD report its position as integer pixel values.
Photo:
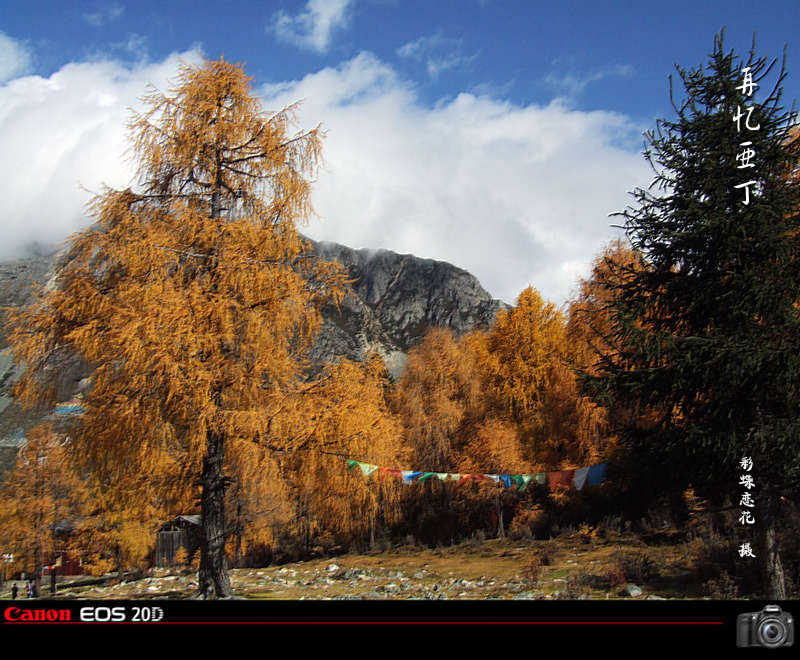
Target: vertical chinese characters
(747, 502)
(745, 158)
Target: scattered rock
(631, 590)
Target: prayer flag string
(578, 478)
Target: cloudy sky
(494, 134)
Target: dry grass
(576, 565)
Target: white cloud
(572, 84)
(514, 194)
(15, 58)
(64, 132)
(135, 45)
(313, 28)
(439, 53)
(104, 15)
(517, 195)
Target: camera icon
(770, 628)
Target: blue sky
(495, 135)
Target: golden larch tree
(590, 326)
(352, 420)
(194, 298)
(529, 370)
(42, 492)
(257, 501)
(439, 393)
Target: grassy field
(572, 566)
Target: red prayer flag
(560, 479)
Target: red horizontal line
(386, 623)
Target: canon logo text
(19, 614)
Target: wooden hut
(181, 531)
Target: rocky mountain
(393, 300)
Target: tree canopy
(194, 298)
(707, 331)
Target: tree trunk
(372, 532)
(213, 580)
(37, 572)
(118, 557)
(237, 558)
(774, 579)
(501, 531)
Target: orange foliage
(41, 492)
(257, 501)
(494, 448)
(351, 419)
(524, 345)
(590, 328)
(195, 299)
(528, 368)
(439, 393)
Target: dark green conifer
(709, 329)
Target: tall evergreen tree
(707, 332)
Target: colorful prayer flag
(560, 479)
(577, 478)
(409, 476)
(580, 477)
(597, 474)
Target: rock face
(392, 302)
(16, 283)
